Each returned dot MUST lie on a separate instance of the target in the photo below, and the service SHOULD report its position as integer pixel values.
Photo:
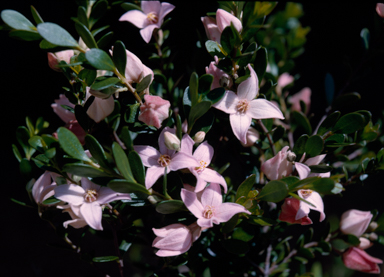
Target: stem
(128, 85)
(268, 136)
(166, 195)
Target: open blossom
(156, 161)
(150, 18)
(242, 107)
(175, 239)
(214, 27)
(355, 222)
(86, 200)
(357, 259)
(76, 221)
(55, 58)
(220, 78)
(289, 210)
(210, 209)
(203, 154)
(154, 110)
(44, 187)
(312, 197)
(303, 95)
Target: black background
(28, 87)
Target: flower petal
(262, 109)
(249, 88)
(150, 6)
(303, 170)
(73, 194)
(211, 176)
(146, 33)
(163, 232)
(315, 160)
(181, 160)
(106, 195)
(148, 155)
(240, 124)
(228, 103)
(204, 153)
(212, 196)
(192, 203)
(92, 214)
(153, 173)
(187, 145)
(165, 9)
(224, 20)
(205, 222)
(136, 17)
(161, 141)
(225, 211)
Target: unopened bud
(291, 157)
(372, 226)
(199, 137)
(171, 141)
(373, 236)
(364, 243)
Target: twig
(268, 136)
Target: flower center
(208, 211)
(90, 195)
(164, 160)
(201, 168)
(306, 193)
(242, 106)
(152, 18)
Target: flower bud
(55, 58)
(357, 259)
(373, 226)
(171, 141)
(291, 157)
(252, 136)
(355, 222)
(364, 243)
(199, 137)
(380, 9)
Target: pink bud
(357, 259)
(364, 243)
(252, 136)
(211, 29)
(55, 58)
(289, 210)
(154, 110)
(220, 78)
(380, 9)
(278, 166)
(224, 19)
(355, 222)
(303, 95)
(63, 113)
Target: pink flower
(44, 187)
(175, 239)
(86, 200)
(150, 18)
(242, 107)
(380, 9)
(355, 222)
(210, 209)
(315, 161)
(55, 58)
(252, 136)
(289, 210)
(77, 220)
(203, 154)
(312, 197)
(214, 28)
(100, 108)
(220, 78)
(284, 80)
(357, 259)
(303, 95)
(154, 110)
(156, 161)
(64, 114)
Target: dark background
(28, 87)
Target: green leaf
(25, 35)
(144, 83)
(235, 246)
(88, 76)
(104, 259)
(82, 17)
(137, 167)
(16, 20)
(322, 185)
(86, 35)
(55, 34)
(364, 34)
(124, 186)
(98, 10)
(193, 88)
(263, 221)
(120, 57)
(16, 153)
(214, 95)
(99, 59)
(244, 233)
(198, 111)
(274, 191)
(214, 49)
(130, 6)
(230, 38)
(349, 123)
(71, 144)
(314, 146)
(122, 162)
(96, 151)
(328, 123)
(126, 138)
(245, 186)
(351, 239)
(299, 147)
(105, 83)
(248, 56)
(37, 143)
(346, 100)
(261, 63)
(130, 115)
(25, 167)
(104, 41)
(205, 82)
(84, 170)
(300, 183)
(204, 123)
(22, 136)
(170, 207)
(278, 133)
(300, 120)
(230, 224)
(36, 15)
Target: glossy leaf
(273, 191)
(88, 76)
(126, 138)
(198, 111)
(137, 167)
(230, 224)
(16, 20)
(120, 56)
(104, 41)
(55, 34)
(245, 186)
(300, 120)
(349, 123)
(214, 95)
(213, 49)
(346, 100)
(299, 147)
(122, 162)
(229, 38)
(104, 83)
(104, 259)
(36, 15)
(98, 10)
(86, 35)
(25, 35)
(124, 186)
(364, 34)
(71, 144)
(314, 146)
(82, 16)
(170, 207)
(204, 123)
(84, 170)
(96, 151)
(144, 83)
(300, 183)
(100, 59)
(193, 88)
(322, 185)
(328, 123)
(129, 6)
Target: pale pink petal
(204, 153)
(182, 160)
(225, 211)
(162, 232)
(212, 176)
(170, 253)
(75, 223)
(228, 103)
(240, 124)
(146, 33)
(303, 170)
(195, 230)
(153, 173)
(284, 80)
(150, 6)
(205, 222)
(278, 166)
(303, 95)
(154, 110)
(249, 88)
(192, 203)
(136, 17)
(73, 194)
(148, 155)
(212, 196)
(224, 19)
(315, 160)
(64, 114)
(47, 192)
(106, 195)
(165, 9)
(41, 183)
(262, 109)
(86, 184)
(92, 214)
(100, 108)
(211, 29)
(314, 198)
(134, 68)
(187, 145)
(200, 182)
(177, 240)
(161, 141)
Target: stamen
(152, 18)
(208, 212)
(306, 193)
(201, 168)
(90, 195)
(242, 106)
(164, 160)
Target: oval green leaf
(99, 59)
(84, 170)
(246, 186)
(71, 144)
(170, 207)
(124, 186)
(274, 191)
(120, 56)
(86, 35)
(137, 167)
(314, 146)
(122, 162)
(55, 34)
(349, 123)
(16, 20)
